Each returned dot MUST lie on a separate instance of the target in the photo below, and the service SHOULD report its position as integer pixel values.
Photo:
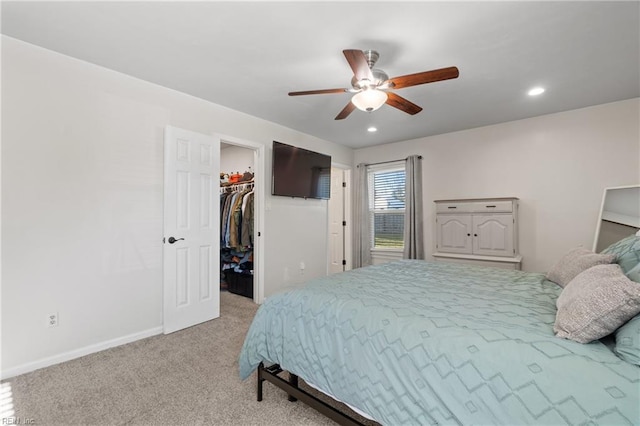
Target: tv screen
(299, 172)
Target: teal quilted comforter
(414, 342)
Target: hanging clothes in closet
(236, 237)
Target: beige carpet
(188, 377)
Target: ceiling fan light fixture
(369, 100)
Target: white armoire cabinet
(481, 231)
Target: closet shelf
(227, 184)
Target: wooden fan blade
(424, 77)
(317, 92)
(358, 63)
(402, 104)
(346, 111)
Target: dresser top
(463, 200)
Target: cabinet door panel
(493, 235)
(454, 233)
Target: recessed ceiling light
(372, 129)
(536, 91)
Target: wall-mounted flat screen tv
(298, 172)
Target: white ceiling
(249, 55)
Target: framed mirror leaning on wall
(619, 216)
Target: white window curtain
(362, 243)
(413, 216)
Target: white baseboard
(77, 353)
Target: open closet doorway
(241, 217)
(339, 228)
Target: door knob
(173, 240)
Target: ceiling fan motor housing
(379, 77)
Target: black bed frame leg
(270, 374)
(260, 381)
(293, 380)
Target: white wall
(82, 164)
(236, 159)
(558, 165)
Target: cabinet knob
(468, 235)
(475, 235)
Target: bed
(418, 342)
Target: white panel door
(493, 235)
(191, 218)
(336, 218)
(454, 233)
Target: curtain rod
(390, 161)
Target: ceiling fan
(372, 86)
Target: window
(386, 205)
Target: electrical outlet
(52, 320)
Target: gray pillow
(595, 303)
(575, 261)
